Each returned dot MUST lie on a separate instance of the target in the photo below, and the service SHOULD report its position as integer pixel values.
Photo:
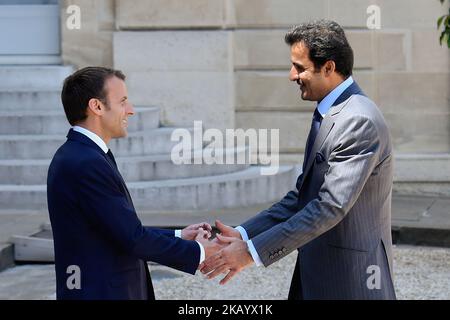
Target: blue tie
(315, 126)
(111, 157)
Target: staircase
(33, 126)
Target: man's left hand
(190, 232)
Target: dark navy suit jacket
(96, 229)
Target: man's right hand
(211, 247)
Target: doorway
(30, 32)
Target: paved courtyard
(420, 273)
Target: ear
(329, 67)
(96, 106)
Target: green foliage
(445, 22)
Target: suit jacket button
(280, 252)
(284, 249)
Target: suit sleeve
(106, 207)
(279, 212)
(166, 232)
(351, 163)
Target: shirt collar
(330, 98)
(92, 136)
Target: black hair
(326, 41)
(82, 86)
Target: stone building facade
(225, 62)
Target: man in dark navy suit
(101, 247)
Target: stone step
(55, 122)
(31, 99)
(137, 168)
(239, 189)
(428, 168)
(149, 142)
(33, 249)
(33, 78)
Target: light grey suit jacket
(339, 218)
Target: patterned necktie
(111, 157)
(315, 126)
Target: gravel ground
(420, 273)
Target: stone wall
(225, 62)
(92, 43)
(178, 56)
(401, 67)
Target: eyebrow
(124, 98)
(299, 65)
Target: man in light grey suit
(339, 218)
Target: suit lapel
(76, 136)
(328, 124)
(325, 128)
(116, 170)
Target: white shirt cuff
(243, 233)
(202, 252)
(254, 254)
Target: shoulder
(361, 109)
(360, 105)
(78, 159)
(361, 123)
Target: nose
(130, 110)
(293, 74)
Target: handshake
(226, 254)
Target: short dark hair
(326, 41)
(82, 86)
